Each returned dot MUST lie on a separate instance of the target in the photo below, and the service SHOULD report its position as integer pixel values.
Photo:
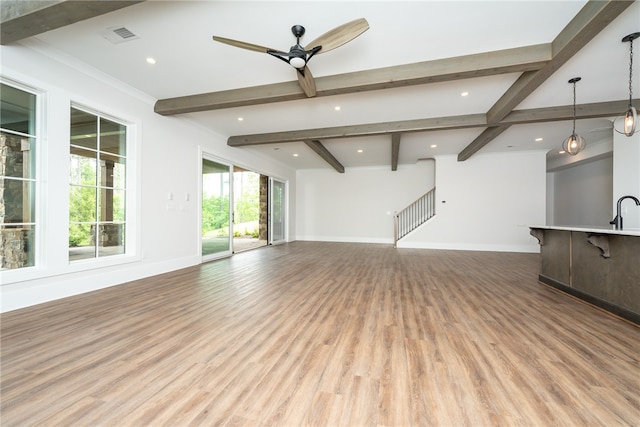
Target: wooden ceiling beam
(534, 115)
(418, 125)
(540, 115)
(565, 112)
(591, 19)
(462, 67)
(20, 19)
(322, 151)
(395, 150)
(483, 139)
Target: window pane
(83, 167)
(18, 156)
(112, 137)
(82, 241)
(17, 197)
(97, 205)
(113, 171)
(111, 239)
(111, 205)
(84, 129)
(119, 174)
(216, 185)
(82, 204)
(17, 110)
(17, 178)
(16, 246)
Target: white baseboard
(342, 239)
(534, 248)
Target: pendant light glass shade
(630, 120)
(574, 143)
(631, 116)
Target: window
(18, 144)
(97, 193)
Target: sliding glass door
(216, 209)
(277, 209)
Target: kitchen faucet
(618, 219)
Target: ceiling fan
(299, 56)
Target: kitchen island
(600, 265)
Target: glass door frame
(283, 210)
(217, 255)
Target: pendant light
(574, 143)
(631, 116)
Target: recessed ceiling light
(151, 61)
(464, 93)
(360, 150)
(539, 139)
(337, 108)
(434, 145)
(240, 119)
(561, 152)
(295, 154)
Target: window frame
(52, 166)
(39, 222)
(131, 217)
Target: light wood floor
(324, 334)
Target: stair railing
(414, 215)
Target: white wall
(485, 203)
(626, 176)
(583, 190)
(582, 194)
(551, 183)
(491, 199)
(169, 162)
(358, 205)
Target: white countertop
(603, 230)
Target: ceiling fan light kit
(298, 56)
(574, 143)
(297, 61)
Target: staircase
(414, 215)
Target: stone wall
(14, 248)
(11, 165)
(264, 207)
(14, 242)
(110, 235)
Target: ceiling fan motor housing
(297, 56)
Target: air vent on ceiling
(118, 34)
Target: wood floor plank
(318, 333)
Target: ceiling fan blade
(339, 35)
(243, 45)
(306, 82)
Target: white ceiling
(178, 35)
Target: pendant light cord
(630, 71)
(574, 108)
